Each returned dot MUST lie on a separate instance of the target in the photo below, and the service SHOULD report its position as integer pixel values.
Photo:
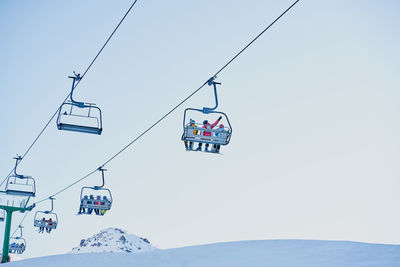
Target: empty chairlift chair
(97, 199)
(79, 116)
(194, 132)
(46, 219)
(20, 185)
(17, 244)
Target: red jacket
(209, 126)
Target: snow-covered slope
(266, 253)
(113, 240)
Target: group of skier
(48, 224)
(91, 201)
(16, 248)
(206, 125)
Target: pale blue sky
(313, 104)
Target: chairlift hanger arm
(17, 160)
(102, 177)
(52, 206)
(75, 78)
(20, 228)
(212, 82)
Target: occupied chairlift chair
(90, 204)
(195, 133)
(89, 119)
(17, 244)
(48, 225)
(20, 185)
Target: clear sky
(313, 105)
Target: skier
(91, 201)
(81, 208)
(207, 125)
(42, 224)
(97, 203)
(221, 134)
(49, 225)
(192, 123)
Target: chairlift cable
(20, 223)
(252, 41)
(169, 112)
(173, 109)
(87, 69)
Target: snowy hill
(266, 253)
(113, 240)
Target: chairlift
(79, 116)
(46, 219)
(17, 244)
(20, 185)
(193, 132)
(96, 198)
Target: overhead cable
(87, 69)
(174, 108)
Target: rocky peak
(113, 240)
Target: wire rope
(87, 69)
(174, 108)
(170, 111)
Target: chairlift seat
(44, 224)
(20, 193)
(39, 222)
(195, 133)
(17, 245)
(96, 204)
(20, 186)
(216, 137)
(79, 128)
(80, 117)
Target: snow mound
(282, 253)
(113, 240)
(265, 253)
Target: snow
(234, 254)
(113, 240)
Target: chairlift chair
(90, 204)
(79, 116)
(194, 132)
(17, 244)
(46, 223)
(20, 185)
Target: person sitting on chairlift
(97, 202)
(21, 248)
(42, 224)
(49, 225)
(207, 125)
(91, 198)
(189, 146)
(105, 200)
(81, 208)
(12, 247)
(221, 133)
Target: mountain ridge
(113, 240)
